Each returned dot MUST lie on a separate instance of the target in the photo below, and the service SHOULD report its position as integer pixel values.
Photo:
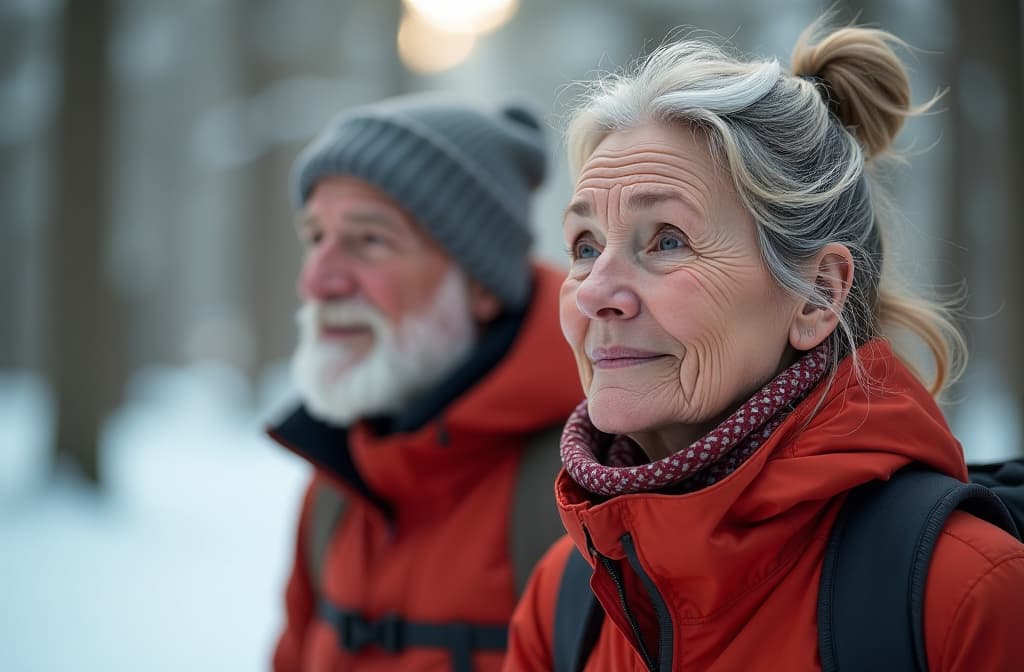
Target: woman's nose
(607, 292)
(326, 275)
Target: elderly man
(434, 384)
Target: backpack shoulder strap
(871, 595)
(534, 523)
(328, 507)
(578, 616)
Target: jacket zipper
(616, 576)
(665, 631)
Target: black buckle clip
(356, 632)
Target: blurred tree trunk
(9, 266)
(86, 334)
(985, 196)
(265, 234)
(12, 234)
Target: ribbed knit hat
(465, 174)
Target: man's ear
(484, 305)
(817, 317)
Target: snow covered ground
(178, 565)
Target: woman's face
(669, 309)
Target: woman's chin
(612, 418)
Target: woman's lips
(617, 357)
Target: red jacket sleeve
(299, 599)
(533, 621)
(973, 599)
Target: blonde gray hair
(799, 147)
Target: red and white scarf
(612, 465)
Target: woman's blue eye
(667, 243)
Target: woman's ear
(818, 316)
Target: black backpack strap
(534, 521)
(578, 616)
(871, 595)
(328, 507)
(394, 634)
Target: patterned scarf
(613, 465)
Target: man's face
(385, 313)
(360, 245)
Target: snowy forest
(148, 263)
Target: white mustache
(314, 314)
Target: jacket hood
(749, 526)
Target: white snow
(179, 564)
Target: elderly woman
(729, 306)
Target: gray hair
(798, 148)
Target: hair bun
(867, 82)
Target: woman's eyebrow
(639, 200)
(579, 208)
(642, 200)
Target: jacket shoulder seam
(1009, 553)
(1017, 556)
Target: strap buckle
(388, 631)
(356, 632)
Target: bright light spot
(426, 49)
(473, 17)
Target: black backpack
(873, 578)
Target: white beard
(404, 362)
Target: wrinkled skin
(672, 315)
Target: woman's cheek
(585, 370)
(574, 330)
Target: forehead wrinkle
(604, 157)
(696, 176)
(607, 165)
(648, 189)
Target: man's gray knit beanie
(465, 174)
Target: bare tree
(85, 355)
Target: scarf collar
(610, 465)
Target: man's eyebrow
(308, 221)
(371, 217)
(304, 221)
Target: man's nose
(326, 275)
